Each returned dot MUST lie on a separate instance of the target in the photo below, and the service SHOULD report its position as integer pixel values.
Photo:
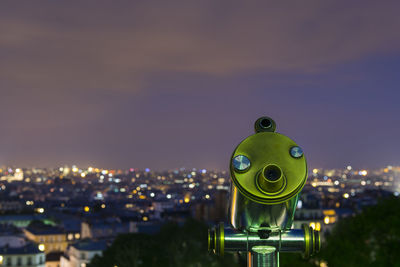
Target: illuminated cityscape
(68, 211)
(117, 120)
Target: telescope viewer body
(268, 171)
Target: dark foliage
(176, 246)
(371, 238)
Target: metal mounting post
(263, 256)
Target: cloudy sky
(165, 84)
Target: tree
(176, 246)
(371, 238)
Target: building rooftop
(29, 248)
(44, 230)
(21, 217)
(89, 245)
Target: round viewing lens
(265, 123)
(272, 173)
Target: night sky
(164, 84)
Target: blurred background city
(117, 122)
(67, 215)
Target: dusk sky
(168, 84)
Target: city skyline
(77, 170)
(171, 85)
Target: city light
(300, 204)
(349, 168)
(315, 225)
(41, 247)
(164, 191)
(40, 210)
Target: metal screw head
(241, 163)
(296, 152)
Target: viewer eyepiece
(272, 173)
(265, 123)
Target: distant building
(9, 204)
(50, 238)
(319, 219)
(15, 251)
(72, 228)
(18, 175)
(150, 228)
(212, 211)
(97, 229)
(82, 252)
(53, 259)
(203, 211)
(160, 207)
(11, 240)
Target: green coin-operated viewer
(268, 171)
